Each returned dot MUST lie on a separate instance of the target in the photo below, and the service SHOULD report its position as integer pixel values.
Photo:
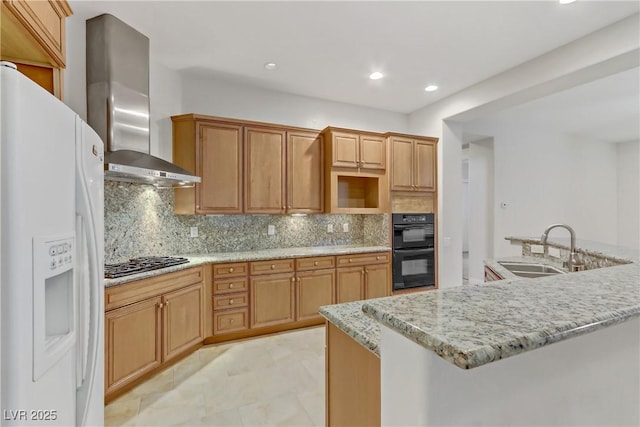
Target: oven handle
(414, 251)
(405, 226)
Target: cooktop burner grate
(139, 265)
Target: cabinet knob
(230, 302)
(166, 303)
(273, 266)
(362, 272)
(378, 258)
(315, 263)
(298, 280)
(160, 305)
(284, 207)
(231, 320)
(230, 285)
(288, 207)
(231, 270)
(350, 260)
(293, 279)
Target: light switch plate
(193, 231)
(329, 228)
(345, 227)
(271, 230)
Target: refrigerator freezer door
(38, 199)
(90, 222)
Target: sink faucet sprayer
(572, 264)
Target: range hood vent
(118, 104)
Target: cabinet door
(377, 278)
(272, 299)
(345, 147)
(133, 342)
(183, 320)
(402, 164)
(373, 152)
(349, 284)
(220, 166)
(425, 166)
(305, 177)
(314, 289)
(265, 164)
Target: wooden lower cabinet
(377, 277)
(149, 323)
(353, 393)
(272, 299)
(368, 277)
(350, 284)
(314, 289)
(183, 320)
(133, 342)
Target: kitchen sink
(529, 269)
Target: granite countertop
(477, 324)
(201, 259)
(350, 318)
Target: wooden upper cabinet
(33, 37)
(220, 166)
(265, 163)
(373, 152)
(305, 175)
(425, 159)
(413, 163)
(357, 150)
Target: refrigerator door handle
(91, 316)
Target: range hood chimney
(118, 104)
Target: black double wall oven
(413, 251)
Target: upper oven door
(413, 236)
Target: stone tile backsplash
(139, 221)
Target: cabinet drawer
(226, 301)
(361, 259)
(230, 321)
(273, 266)
(128, 293)
(230, 269)
(315, 263)
(225, 286)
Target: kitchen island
(446, 355)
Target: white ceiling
(327, 49)
(607, 110)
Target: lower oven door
(413, 268)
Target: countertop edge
(348, 329)
(491, 353)
(196, 260)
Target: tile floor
(276, 381)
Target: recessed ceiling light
(566, 1)
(270, 66)
(431, 88)
(376, 75)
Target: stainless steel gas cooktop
(139, 265)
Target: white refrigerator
(51, 260)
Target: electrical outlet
(345, 227)
(329, 228)
(537, 249)
(554, 252)
(194, 231)
(271, 230)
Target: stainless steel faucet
(572, 264)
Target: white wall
(604, 52)
(545, 178)
(482, 207)
(628, 179)
(231, 99)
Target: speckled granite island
(446, 355)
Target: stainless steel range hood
(118, 104)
